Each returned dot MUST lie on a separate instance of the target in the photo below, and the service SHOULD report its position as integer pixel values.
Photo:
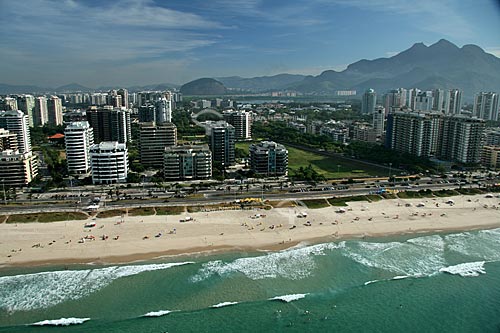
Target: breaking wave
(45, 289)
(466, 269)
(288, 298)
(61, 322)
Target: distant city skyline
(137, 42)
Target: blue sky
(129, 42)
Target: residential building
(147, 113)
(8, 103)
(394, 99)
(364, 132)
(424, 101)
(368, 102)
(416, 133)
(16, 122)
(40, 113)
(78, 138)
(461, 139)
(17, 168)
(486, 106)
(109, 162)
(438, 100)
(453, 102)
(153, 139)
(490, 157)
(124, 97)
(26, 103)
(412, 94)
(54, 111)
(163, 109)
(492, 137)
(110, 124)
(187, 162)
(378, 120)
(269, 158)
(222, 143)
(8, 140)
(241, 121)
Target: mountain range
(441, 65)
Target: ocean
(419, 283)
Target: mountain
(441, 65)
(262, 83)
(73, 87)
(204, 86)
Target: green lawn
(330, 167)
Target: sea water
(428, 283)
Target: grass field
(330, 167)
(46, 217)
(316, 203)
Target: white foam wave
(371, 281)
(466, 269)
(223, 304)
(484, 244)
(45, 289)
(415, 257)
(157, 313)
(400, 277)
(291, 264)
(61, 322)
(288, 298)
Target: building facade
(222, 143)
(109, 162)
(17, 169)
(78, 138)
(110, 124)
(368, 102)
(187, 162)
(490, 157)
(269, 158)
(40, 112)
(153, 139)
(16, 122)
(486, 106)
(453, 102)
(241, 121)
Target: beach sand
(27, 244)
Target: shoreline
(222, 232)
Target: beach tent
(421, 204)
(450, 201)
(340, 210)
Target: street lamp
(390, 169)
(4, 195)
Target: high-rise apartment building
(424, 101)
(368, 102)
(40, 113)
(269, 158)
(453, 102)
(378, 120)
(26, 103)
(17, 169)
(54, 111)
(8, 103)
(153, 139)
(461, 139)
(110, 124)
(222, 139)
(163, 109)
(187, 162)
(394, 99)
(78, 138)
(8, 140)
(109, 162)
(490, 157)
(412, 94)
(438, 100)
(486, 106)
(16, 122)
(241, 121)
(416, 133)
(124, 97)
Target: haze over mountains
(440, 65)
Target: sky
(138, 42)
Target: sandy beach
(127, 239)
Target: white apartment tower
(109, 162)
(486, 106)
(78, 138)
(163, 109)
(453, 102)
(378, 120)
(16, 122)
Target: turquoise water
(430, 283)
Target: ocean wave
(467, 269)
(293, 264)
(415, 257)
(288, 298)
(157, 313)
(61, 322)
(41, 290)
(371, 281)
(223, 304)
(483, 244)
